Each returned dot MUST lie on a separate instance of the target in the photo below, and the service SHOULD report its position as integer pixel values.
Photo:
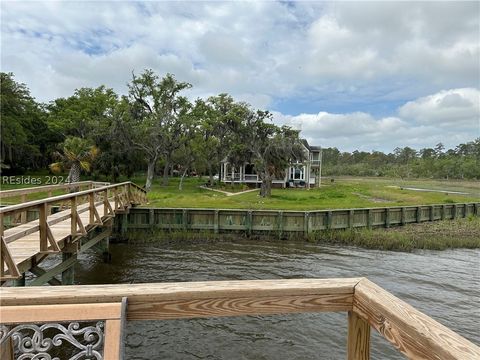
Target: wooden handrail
(411, 332)
(45, 188)
(35, 203)
(123, 197)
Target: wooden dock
(84, 218)
(367, 306)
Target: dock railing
(282, 222)
(368, 306)
(49, 189)
(122, 195)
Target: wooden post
(68, 275)
(329, 219)
(358, 343)
(151, 217)
(20, 281)
(280, 224)
(6, 349)
(454, 212)
(351, 218)
(249, 222)
(215, 222)
(105, 201)
(387, 217)
(23, 215)
(306, 228)
(42, 223)
(49, 207)
(369, 218)
(73, 216)
(403, 215)
(115, 198)
(419, 214)
(131, 198)
(432, 213)
(443, 211)
(185, 219)
(124, 223)
(91, 208)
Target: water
(442, 284)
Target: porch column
(307, 175)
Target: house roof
(310, 147)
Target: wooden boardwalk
(28, 243)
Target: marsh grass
(438, 235)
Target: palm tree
(78, 154)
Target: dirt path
(431, 190)
(228, 193)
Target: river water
(442, 284)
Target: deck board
(28, 246)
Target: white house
(298, 174)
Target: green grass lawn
(342, 193)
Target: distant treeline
(463, 162)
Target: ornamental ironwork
(35, 342)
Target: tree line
(154, 129)
(462, 162)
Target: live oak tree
(84, 113)
(220, 119)
(157, 111)
(272, 148)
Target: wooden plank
(159, 292)
(112, 347)
(6, 258)
(49, 274)
(38, 271)
(411, 332)
(23, 215)
(57, 313)
(42, 223)
(95, 240)
(358, 343)
(56, 199)
(37, 189)
(115, 335)
(237, 306)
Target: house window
(297, 173)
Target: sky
(352, 75)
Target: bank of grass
(342, 193)
(438, 235)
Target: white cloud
(450, 117)
(458, 108)
(351, 58)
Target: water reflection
(443, 284)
